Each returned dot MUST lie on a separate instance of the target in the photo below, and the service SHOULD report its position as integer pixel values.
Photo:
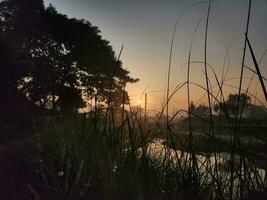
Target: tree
(231, 104)
(200, 110)
(13, 105)
(66, 58)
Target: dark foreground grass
(80, 158)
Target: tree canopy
(55, 60)
(231, 104)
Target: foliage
(200, 110)
(232, 102)
(67, 59)
(89, 157)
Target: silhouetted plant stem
(194, 162)
(237, 117)
(171, 52)
(205, 67)
(257, 68)
(207, 84)
(265, 79)
(243, 63)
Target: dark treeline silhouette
(249, 109)
(51, 61)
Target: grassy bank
(90, 157)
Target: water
(208, 166)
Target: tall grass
(79, 159)
(116, 154)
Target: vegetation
(52, 65)
(55, 61)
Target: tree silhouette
(231, 104)
(12, 103)
(64, 58)
(199, 111)
(232, 101)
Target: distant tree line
(247, 109)
(50, 59)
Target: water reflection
(209, 166)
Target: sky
(145, 28)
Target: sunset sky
(145, 28)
